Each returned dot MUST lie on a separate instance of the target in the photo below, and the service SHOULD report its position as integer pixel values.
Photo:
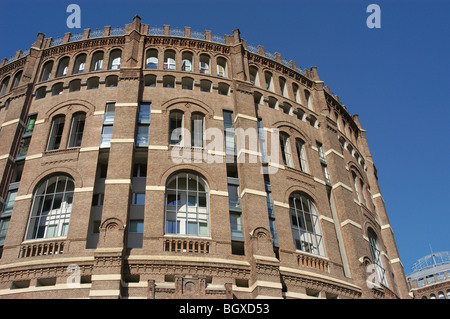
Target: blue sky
(396, 78)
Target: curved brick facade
(100, 201)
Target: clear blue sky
(396, 78)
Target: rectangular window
(30, 124)
(142, 135)
(106, 136)
(9, 204)
(228, 122)
(136, 227)
(4, 224)
(23, 148)
(109, 113)
(97, 199)
(237, 231)
(140, 170)
(138, 199)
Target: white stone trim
(253, 191)
(117, 181)
(155, 188)
(351, 222)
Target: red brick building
(104, 195)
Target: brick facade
(113, 259)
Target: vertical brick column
(107, 272)
(265, 279)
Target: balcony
(42, 249)
(185, 245)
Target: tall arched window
(169, 60)
(286, 152)
(47, 71)
(254, 77)
(377, 257)
(308, 100)
(4, 86)
(305, 224)
(283, 89)
(176, 128)
(204, 64)
(56, 133)
(80, 63)
(17, 79)
(151, 61)
(51, 208)
(301, 152)
(114, 59)
(63, 67)
(186, 63)
(97, 61)
(187, 209)
(76, 129)
(222, 67)
(269, 81)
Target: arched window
(283, 89)
(269, 82)
(111, 81)
(51, 208)
(93, 83)
(197, 129)
(186, 63)
(63, 67)
(54, 141)
(187, 83)
(355, 183)
(41, 93)
(301, 152)
(114, 59)
(273, 103)
(296, 93)
(254, 76)
(151, 60)
(74, 86)
(222, 67)
(150, 80)
(223, 89)
(47, 71)
(169, 60)
(204, 64)
(308, 100)
(97, 61)
(305, 224)
(57, 89)
(187, 209)
(286, 150)
(4, 86)
(17, 79)
(169, 81)
(76, 129)
(377, 257)
(286, 107)
(80, 63)
(300, 114)
(205, 86)
(176, 128)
